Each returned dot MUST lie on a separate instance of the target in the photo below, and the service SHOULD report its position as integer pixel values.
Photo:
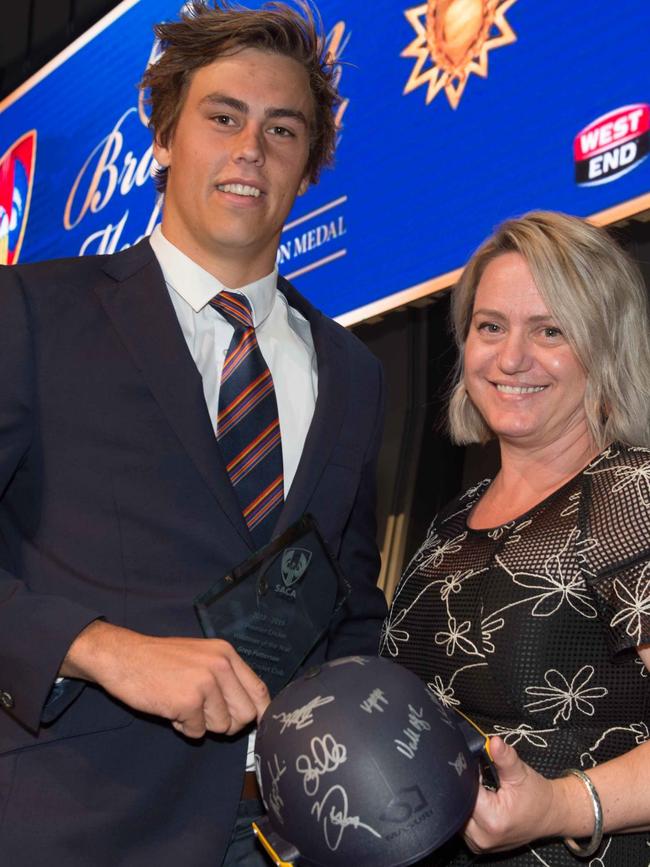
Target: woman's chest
(503, 621)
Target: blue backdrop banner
(455, 114)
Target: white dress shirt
(283, 335)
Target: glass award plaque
(277, 605)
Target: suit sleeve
(357, 628)
(36, 629)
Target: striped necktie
(248, 428)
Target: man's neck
(232, 268)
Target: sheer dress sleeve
(616, 516)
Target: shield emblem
(294, 564)
(16, 182)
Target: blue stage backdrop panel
(455, 114)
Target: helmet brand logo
(406, 803)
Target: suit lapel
(138, 304)
(324, 431)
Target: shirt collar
(197, 286)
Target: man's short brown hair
(205, 33)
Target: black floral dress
(530, 629)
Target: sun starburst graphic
(453, 39)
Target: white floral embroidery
(599, 860)
(429, 557)
(637, 476)
(638, 729)
(523, 732)
(444, 694)
(432, 540)
(414, 568)
(538, 856)
(455, 638)
(574, 505)
(566, 696)
(490, 625)
(499, 531)
(628, 476)
(434, 558)
(471, 495)
(453, 583)
(515, 536)
(636, 604)
(557, 585)
(609, 454)
(565, 692)
(644, 670)
(390, 635)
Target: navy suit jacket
(116, 504)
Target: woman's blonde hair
(598, 297)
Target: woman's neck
(530, 474)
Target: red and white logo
(16, 182)
(612, 145)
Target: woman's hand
(526, 807)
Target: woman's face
(520, 371)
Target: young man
(126, 491)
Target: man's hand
(201, 685)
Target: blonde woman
(527, 606)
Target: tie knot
(235, 308)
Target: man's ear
(304, 186)
(162, 154)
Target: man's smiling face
(237, 159)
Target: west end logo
(453, 38)
(612, 145)
(16, 182)
(295, 562)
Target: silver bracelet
(597, 836)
